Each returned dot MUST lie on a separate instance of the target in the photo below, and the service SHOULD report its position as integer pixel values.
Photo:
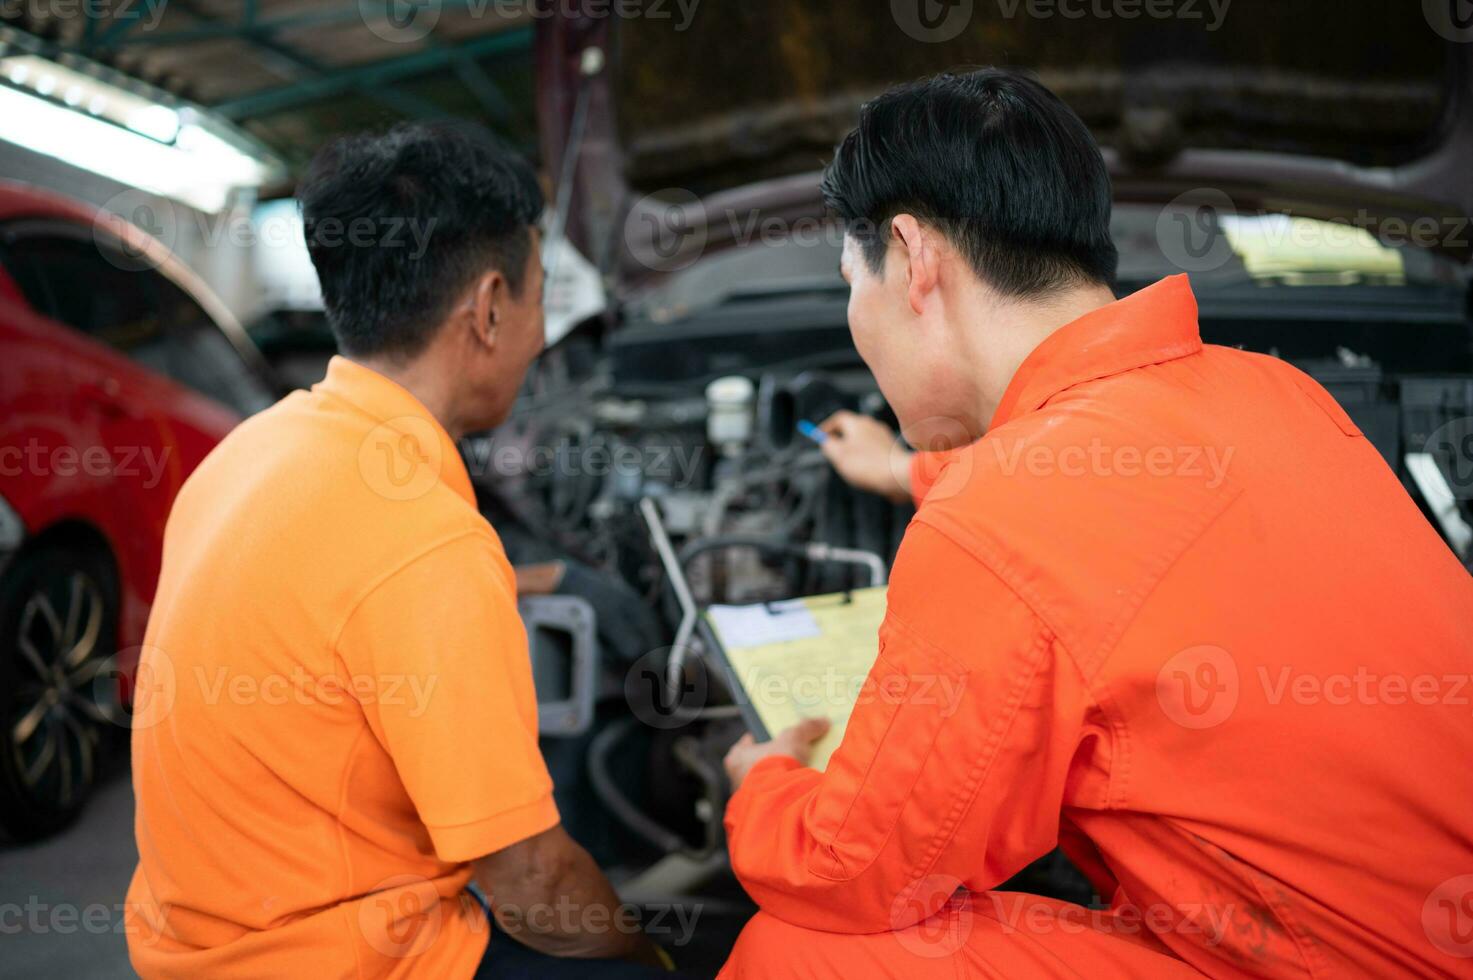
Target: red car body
(95, 439)
(59, 388)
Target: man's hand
(796, 742)
(867, 454)
(542, 578)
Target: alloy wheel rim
(55, 727)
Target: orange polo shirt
(1174, 613)
(335, 709)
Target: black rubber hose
(775, 546)
(668, 841)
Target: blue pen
(812, 431)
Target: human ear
(918, 252)
(489, 296)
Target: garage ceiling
(293, 73)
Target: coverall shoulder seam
(1090, 661)
(1032, 602)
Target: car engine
(751, 511)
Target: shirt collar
(393, 407)
(1158, 323)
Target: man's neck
(1011, 330)
(427, 384)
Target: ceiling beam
(335, 13)
(299, 67)
(366, 78)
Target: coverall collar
(392, 405)
(1158, 323)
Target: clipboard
(797, 658)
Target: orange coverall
(1174, 614)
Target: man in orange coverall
(1205, 641)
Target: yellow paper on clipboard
(802, 658)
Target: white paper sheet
(760, 625)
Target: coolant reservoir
(729, 413)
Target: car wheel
(58, 624)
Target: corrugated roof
(293, 73)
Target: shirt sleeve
(449, 695)
(952, 769)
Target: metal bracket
(562, 640)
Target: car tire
(58, 691)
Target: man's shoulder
(1080, 507)
(301, 478)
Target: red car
(120, 371)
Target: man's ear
(923, 266)
(487, 308)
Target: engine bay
(694, 426)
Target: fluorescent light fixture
(201, 175)
(111, 131)
(156, 122)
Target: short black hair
(997, 163)
(399, 223)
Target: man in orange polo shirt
(1205, 641)
(336, 728)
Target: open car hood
(1347, 110)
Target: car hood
(683, 119)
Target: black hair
(399, 223)
(997, 163)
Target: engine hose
(713, 781)
(667, 840)
(815, 551)
(761, 542)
